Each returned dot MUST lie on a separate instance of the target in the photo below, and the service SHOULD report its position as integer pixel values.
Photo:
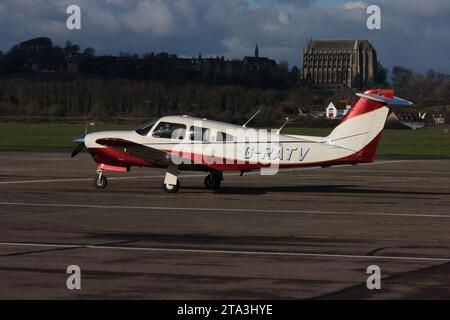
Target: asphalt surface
(301, 234)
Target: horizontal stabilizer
(394, 101)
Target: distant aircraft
(317, 114)
(177, 143)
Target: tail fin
(361, 129)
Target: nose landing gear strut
(100, 181)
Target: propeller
(79, 147)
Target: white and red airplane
(177, 143)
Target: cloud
(355, 5)
(284, 18)
(287, 3)
(413, 33)
(150, 16)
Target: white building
(332, 112)
(438, 119)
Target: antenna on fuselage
(281, 128)
(248, 121)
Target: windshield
(144, 130)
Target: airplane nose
(79, 139)
(80, 145)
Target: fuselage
(194, 143)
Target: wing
(149, 154)
(152, 156)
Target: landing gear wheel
(100, 182)
(171, 188)
(212, 181)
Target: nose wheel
(100, 182)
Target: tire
(100, 183)
(212, 182)
(171, 189)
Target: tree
(431, 76)
(381, 75)
(36, 44)
(2, 61)
(284, 65)
(71, 49)
(402, 77)
(294, 75)
(128, 55)
(89, 52)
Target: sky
(414, 33)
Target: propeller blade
(78, 148)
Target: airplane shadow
(343, 189)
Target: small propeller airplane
(177, 143)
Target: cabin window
(168, 130)
(199, 134)
(222, 136)
(145, 129)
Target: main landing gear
(171, 182)
(213, 180)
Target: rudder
(361, 129)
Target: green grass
(424, 142)
(427, 142)
(19, 136)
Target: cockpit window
(168, 130)
(222, 136)
(199, 133)
(145, 129)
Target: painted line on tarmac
(162, 176)
(91, 179)
(203, 209)
(230, 252)
(42, 181)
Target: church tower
(256, 51)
